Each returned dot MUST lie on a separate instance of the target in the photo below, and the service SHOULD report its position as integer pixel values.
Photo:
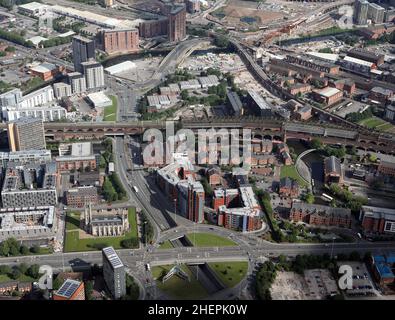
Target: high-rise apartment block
(94, 74)
(113, 273)
(361, 12)
(61, 90)
(11, 98)
(118, 41)
(77, 82)
(177, 23)
(26, 134)
(376, 13)
(83, 50)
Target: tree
(24, 250)
(129, 243)
(5, 270)
(316, 143)
(184, 95)
(372, 158)
(57, 283)
(221, 41)
(33, 271)
(309, 198)
(23, 268)
(4, 248)
(15, 274)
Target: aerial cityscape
(197, 150)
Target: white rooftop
(81, 149)
(121, 67)
(37, 39)
(329, 92)
(99, 99)
(359, 61)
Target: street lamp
(175, 210)
(145, 232)
(333, 242)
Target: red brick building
(328, 95)
(320, 215)
(118, 41)
(70, 290)
(213, 176)
(333, 171)
(288, 188)
(387, 168)
(376, 220)
(81, 196)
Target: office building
(234, 103)
(113, 273)
(118, 41)
(79, 197)
(76, 156)
(26, 134)
(376, 13)
(375, 220)
(257, 105)
(83, 50)
(94, 74)
(61, 90)
(77, 82)
(70, 290)
(361, 12)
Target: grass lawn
(72, 220)
(73, 243)
(177, 288)
(209, 240)
(110, 112)
(230, 273)
(166, 245)
(290, 171)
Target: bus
(327, 197)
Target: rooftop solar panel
(112, 257)
(68, 288)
